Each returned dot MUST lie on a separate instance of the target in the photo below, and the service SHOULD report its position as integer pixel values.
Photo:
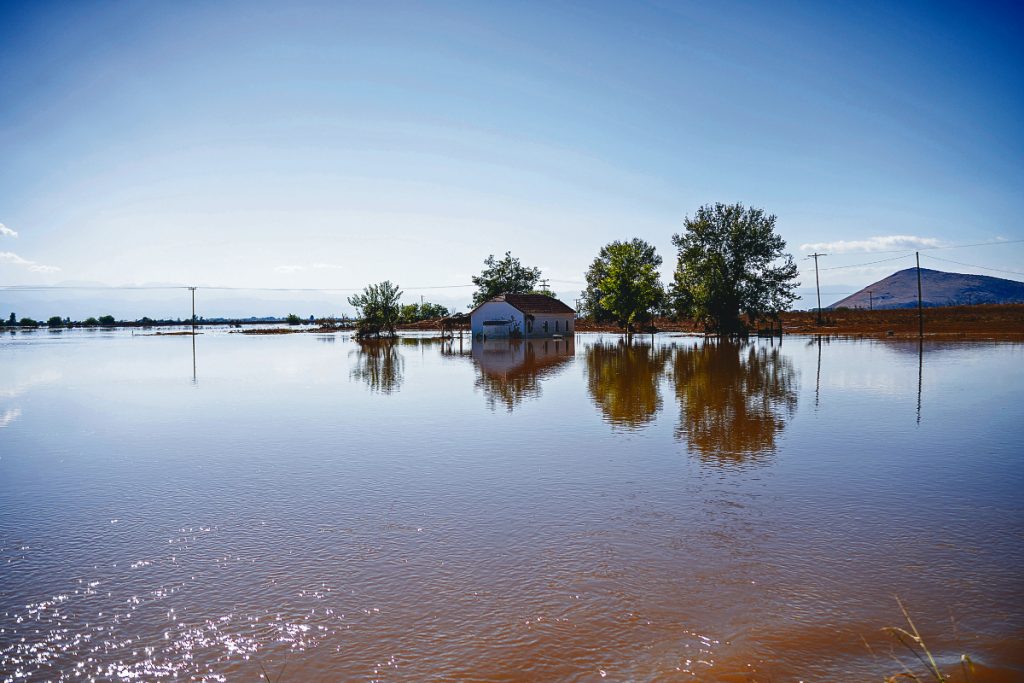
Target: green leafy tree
(507, 276)
(410, 313)
(55, 321)
(90, 322)
(623, 284)
(378, 309)
(13, 320)
(28, 322)
(732, 263)
(293, 319)
(107, 320)
(429, 311)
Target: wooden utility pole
(544, 285)
(193, 310)
(920, 309)
(871, 301)
(817, 285)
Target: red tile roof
(533, 304)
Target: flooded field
(562, 510)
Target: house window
(556, 326)
(545, 327)
(529, 326)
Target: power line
(869, 263)
(976, 244)
(947, 246)
(974, 265)
(27, 288)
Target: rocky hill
(938, 288)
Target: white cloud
(878, 243)
(7, 232)
(326, 266)
(14, 259)
(289, 269)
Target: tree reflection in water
(623, 380)
(511, 371)
(734, 398)
(378, 363)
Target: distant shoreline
(983, 321)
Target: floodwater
(566, 510)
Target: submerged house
(521, 315)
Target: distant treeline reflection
(734, 397)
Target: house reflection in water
(734, 399)
(511, 370)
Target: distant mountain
(938, 288)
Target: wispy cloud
(14, 259)
(878, 243)
(312, 266)
(7, 232)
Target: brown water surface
(564, 510)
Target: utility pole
(817, 286)
(193, 310)
(871, 302)
(544, 285)
(920, 310)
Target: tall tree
(507, 276)
(378, 309)
(623, 284)
(731, 263)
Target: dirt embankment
(1004, 321)
(980, 322)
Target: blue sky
(332, 145)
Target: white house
(521, 315)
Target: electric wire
(973, 265)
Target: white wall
(496, 310)
(499, 310)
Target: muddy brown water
(564, 510)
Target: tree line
(57, 321)
(732, 272)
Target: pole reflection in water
(379, 364)
(734, 398)
(510, 371)
(194, 380)
(623, 380)
(920, 375)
